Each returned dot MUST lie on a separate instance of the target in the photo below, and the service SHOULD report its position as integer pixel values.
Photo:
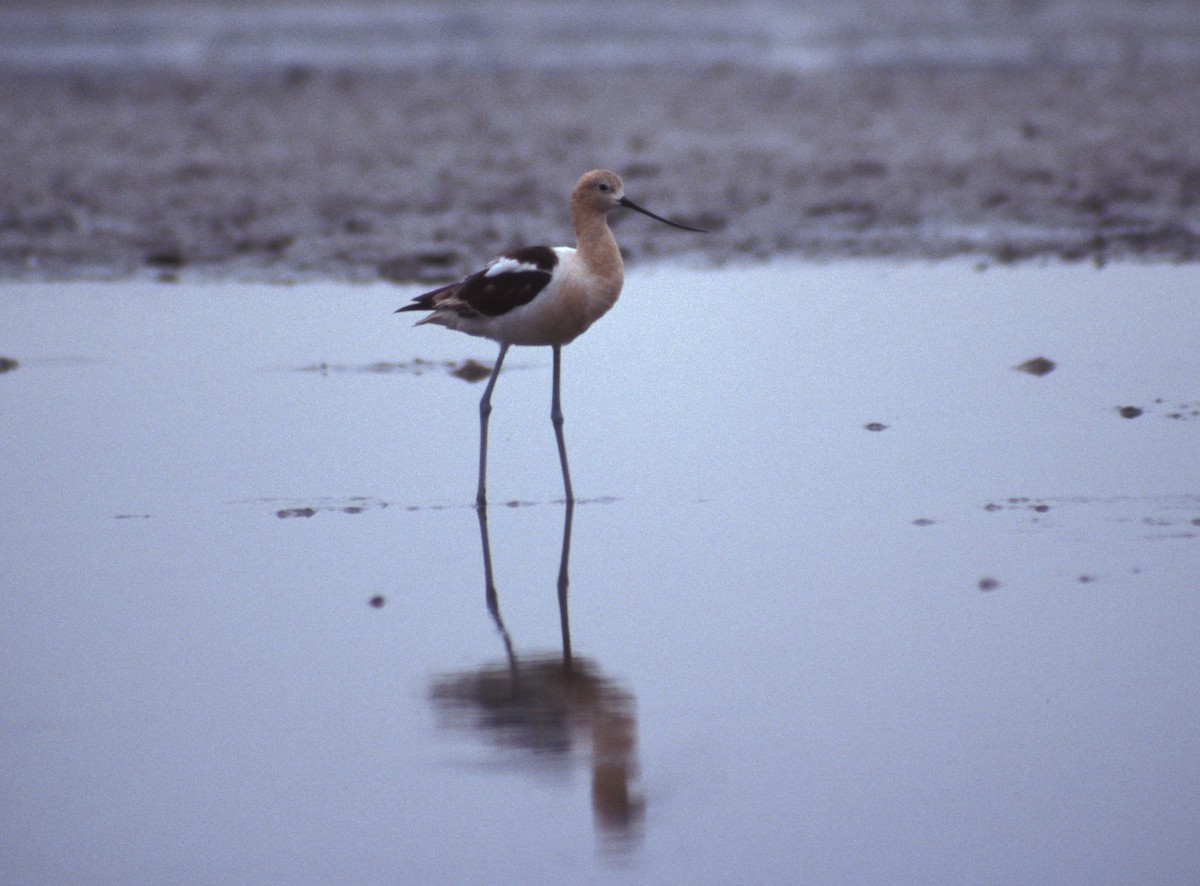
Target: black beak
(629, 204)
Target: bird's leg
(556, 417)
(485, 410)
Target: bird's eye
(604, 186)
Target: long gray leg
(556, 417)
(485, 410)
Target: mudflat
(322, 170)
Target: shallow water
(245, 635)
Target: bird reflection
(544, 706)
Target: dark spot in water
(1128, 411)
(1037, 366)
(1185, 411)
(471, 370)
(377, 601)
(8, 364)
(923, 521)
(1019, 503)
(988, 584)
(295, 512)
(875, 426)
(132, 517)
(1086, 579)
(468, 370)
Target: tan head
(598, 191)
(601, 191)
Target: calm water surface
(959, 648)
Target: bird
(541, 296)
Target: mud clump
(1038, 366)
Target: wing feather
(512, 279)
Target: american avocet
(541, 295)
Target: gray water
(245, 635)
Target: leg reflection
(548, 706)
(563, 581)
(493, 599)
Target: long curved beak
(629, 204)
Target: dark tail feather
(421, 303)
(424, 302)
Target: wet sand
(283, 172)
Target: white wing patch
(506, 265)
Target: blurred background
(349, 140)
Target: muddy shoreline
(303, 173)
